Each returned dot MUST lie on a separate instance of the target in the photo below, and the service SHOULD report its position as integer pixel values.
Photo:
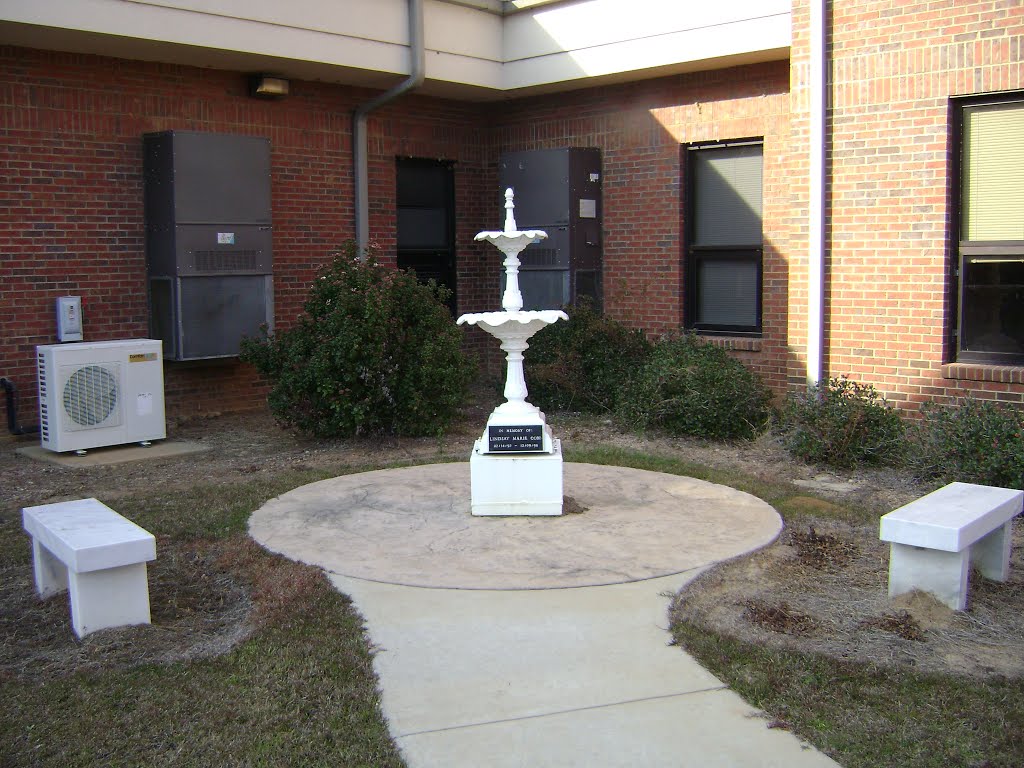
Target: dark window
(990, 246)
(723, 237)
(425, 198)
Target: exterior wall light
(263, 86)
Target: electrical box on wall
(209, 249)
(69, 318)
(558, 191)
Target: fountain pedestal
(516, 465)
(516, 485)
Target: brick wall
(71, 131)
(895, 67)
(71, 191)
(640, 129)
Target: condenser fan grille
(90, 395)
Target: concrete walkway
(537, 641)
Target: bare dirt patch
(778, 618)
(823, 588)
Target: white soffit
(608, 38)
(473, 51)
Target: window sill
(1005, 374)
(733, 343)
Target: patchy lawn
(254, 660)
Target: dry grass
(805, 631)
(200, 609)
(251, 660)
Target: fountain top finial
(510, 219)
(510, 240)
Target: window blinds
(993, 173)
(727, 292)
(728, 198)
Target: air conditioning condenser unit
(96, 394)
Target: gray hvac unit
(209, 250)
(558, 191)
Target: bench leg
(943, 574)
(110, 598)
(51, 574)
(992, 553)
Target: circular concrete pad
(413, 526)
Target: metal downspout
(816, 245)
(359, 145)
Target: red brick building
(880, 266)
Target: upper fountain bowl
(512, 242)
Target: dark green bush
(973, 441)
(688, 387)
(376, 352)
(581, 364)
(842, 423)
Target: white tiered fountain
(516, 466)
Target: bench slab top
(953, 517)
(87, 535)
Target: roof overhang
(476, 49)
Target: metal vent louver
(44, 411)
(539, 257)
(91, 394)
(226, 261)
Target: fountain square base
(516, 484)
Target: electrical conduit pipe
(12, 410)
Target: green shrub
(973, 441)
(582, 364)
(688, 387)
(842, 423)
(376, 352)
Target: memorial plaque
(507, 438)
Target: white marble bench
(99, 556)
(934, 540)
